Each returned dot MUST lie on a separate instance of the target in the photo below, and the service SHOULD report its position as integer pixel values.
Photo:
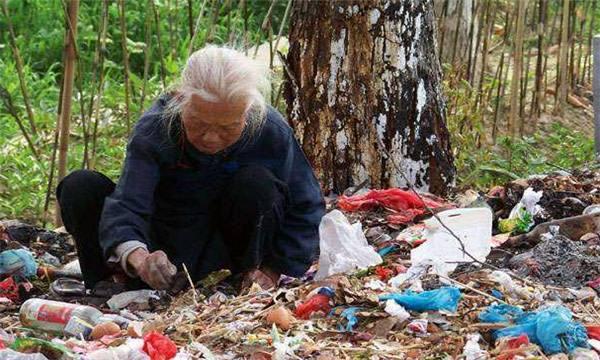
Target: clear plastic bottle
(60, 317)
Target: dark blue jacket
(165, 190)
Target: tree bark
(373, 78)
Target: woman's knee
(83, 186)
(256, 186)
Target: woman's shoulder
(276, 125)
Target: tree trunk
(372, 78)
(455, 23)
(67, 95)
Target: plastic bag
(498, 313)
(9, 354)
(158, 346)
(396, 310)
(473, 226)
(318, 302)
(472, 350)
(521, 216)
(552, 328)
(344, 247)
(444, 298)
(406, 204)
(122, 300)
(349, 317)
(130, 350)
(19, 262)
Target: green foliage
(39, 26)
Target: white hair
(221, 74)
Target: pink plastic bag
(406, 205)
(158, 346)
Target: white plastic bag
(344, 247)
(473, 226)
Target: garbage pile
(510, 274)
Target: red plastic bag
(593, 331)
(512, 346)
(406, 205)
(9, 289)
(383, 273)
(158, 346)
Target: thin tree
(160, 50)
(563, 81)
(69, 70)
(125, 61)
(19, 64)
(517, 66)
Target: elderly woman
(213, 179)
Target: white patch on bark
(341, 140)
(381, 123)
(374, 16)
(415, 170)
(335, 63)
(421, 100)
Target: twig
(412, 188)
(493, 298)
(194, 295)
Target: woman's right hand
(154, 269)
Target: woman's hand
(264, 277)
(154, 269)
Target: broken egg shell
(103, 329)
(135, 329)
(281, 317)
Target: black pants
(248, 215)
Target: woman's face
(212, 127)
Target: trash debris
(50, 259)
(59, 317)
(281, 317)
(140, 297)
(500, 313)
(472, 226)
(418, 326)
(552, 328)
(405, 204)
(48, 349)
(344, 247)
(19, 262)
(521, 216)
(472, 350)
(444, 298)
(509, 285)
(511, 348)
(396, 310)
(348, 317)
(10, 354)
(103, 329)
(158, 346)
(318, 302)
(558, 261)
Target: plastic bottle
(319, 302)
(60, 317)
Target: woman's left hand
(264, 277)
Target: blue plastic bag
(498, 313)
(19, 262)
(444, 298)
(552, 328)
(349, 315)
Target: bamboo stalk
(472, 53)
(96, 103)
(160, 51)
(125, 61)
(484, 53)
(19, 64)
(245, 26)
(564, 49)
(458, 8)
(517, 65)
(571, 41)
(442, 22)
(170, 27)
(265, 25)
(539, 95)
(213, 20)
(12, 110)
(69, 70)
(577, 74)
(147, 54)
(588, 57)
(190, 18)
(196, 28)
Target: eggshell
(281, 317)
(103, 329)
